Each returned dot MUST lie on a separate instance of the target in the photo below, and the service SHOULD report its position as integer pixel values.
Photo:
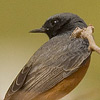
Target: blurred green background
(18, 17)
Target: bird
(58, 66)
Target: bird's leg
(86, 33)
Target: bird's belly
(65, 86)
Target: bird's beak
(40, 30)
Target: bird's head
(64, 23)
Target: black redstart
(56, 67)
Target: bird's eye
(54, 22)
